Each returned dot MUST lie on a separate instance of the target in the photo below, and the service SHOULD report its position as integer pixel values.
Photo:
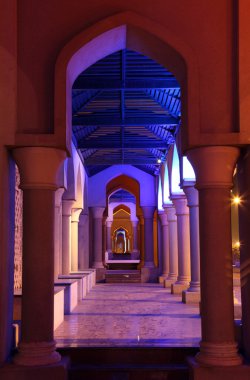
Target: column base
(58, 371)
(100, 274)
(162, 279)
(194, 287)
(169, 281)
(149, 274)
(98, 264)
(191, 297)
(36, 353)
(178, 288)
(199, 372)
(218, 354)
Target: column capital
(97, 212)
(163, 218)
(148, 211)
(67, 205)
(180, 203)
(109, 223)
(191, 193)
(58, 196)
(213, 165)
(39, 166)
(171, 213)
(134, 223)
(75, 214)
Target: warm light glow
(236, 200)
(237, 244)
(159, 161)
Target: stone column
(148, 213)
(39, 169)
(108, 234)
(58, 232)
(66, 235)
(75, 214)
(97, 213)
(243, 175)
(135, 235)
(7, 234)
(83, 241)
(192, 294)
(173, 245)
(142, 250)
(165, 246)
(183, 234)
(214, 171)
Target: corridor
(131, 315)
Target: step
(128, 355)
(129, 373)
(128, 363)
(122, 266)
(123, 276)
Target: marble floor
(130, 315)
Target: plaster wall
(97, 185)
(130, 205)
(75, 179)
(207, 31)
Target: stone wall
(18, 233)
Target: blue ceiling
(121, 196)
(126, 109)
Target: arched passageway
(128, 101)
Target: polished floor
(130, 315)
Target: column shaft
(38, 259)
(243, 174)
(165, 246)
(74, 238)
(108, 234)
(83, 241)
(193, 292)
(97, 236)
(183, 234)
(58, 233)
(173, 246)
(135, 236)
(148, 213)
(39, 169)
(7, 232)
(66, 236)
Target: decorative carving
(18, 233)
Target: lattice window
(18, 233)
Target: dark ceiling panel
(126, 110)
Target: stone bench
(82, 281)
(70, 293)
(91, 275)
(58, 305)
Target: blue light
(166, 188)
(175, 175)
(188, 171)
(160, 195)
